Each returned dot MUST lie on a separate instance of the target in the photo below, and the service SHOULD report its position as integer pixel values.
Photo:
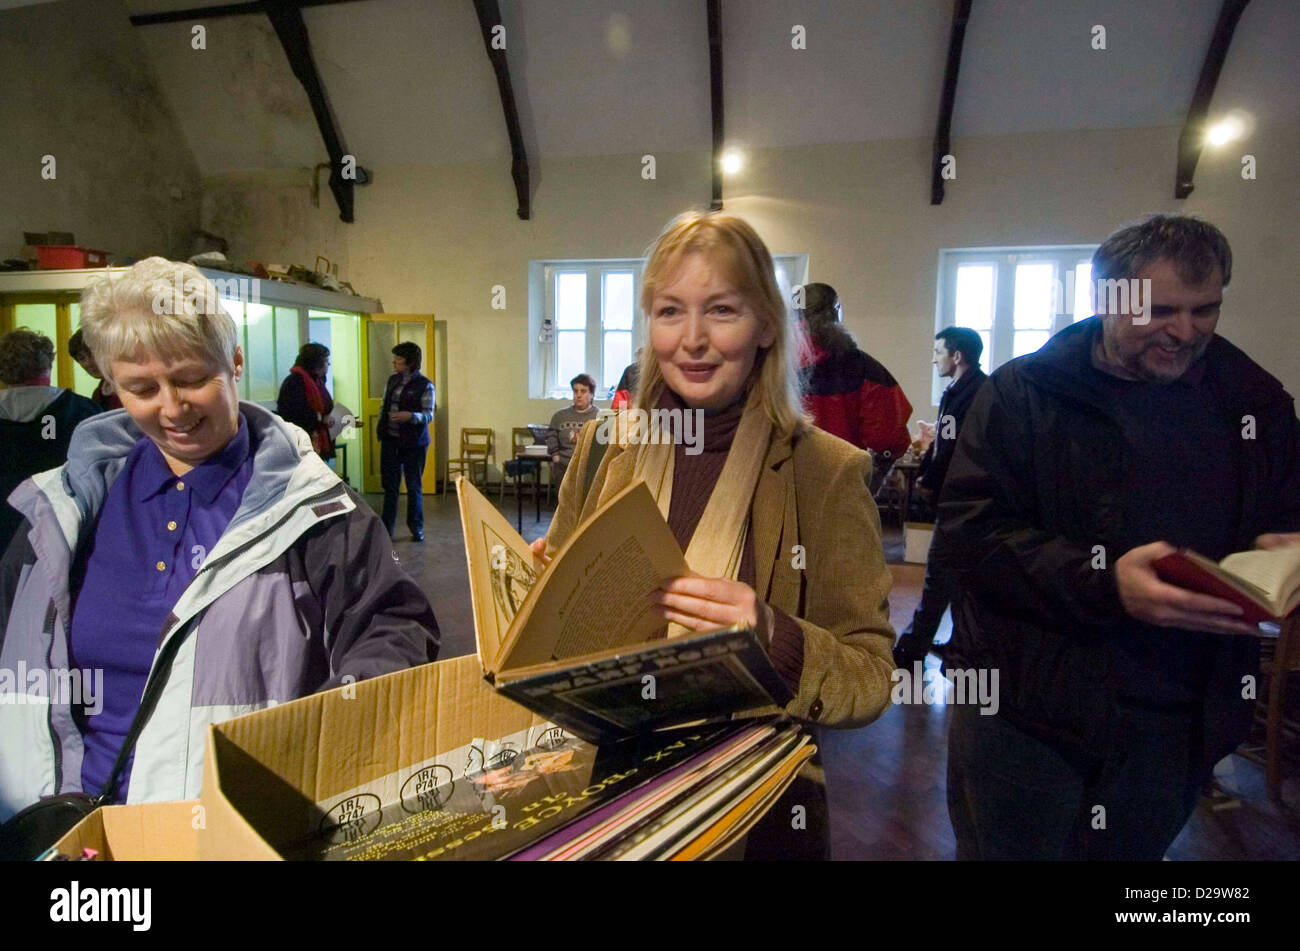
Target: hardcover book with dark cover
(640, 689)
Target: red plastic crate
(58, 257)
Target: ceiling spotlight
(732, 162)
(1224, 131)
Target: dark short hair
(962, 340)
(585, 380)
(77, 347)
(24, 355)
(312, 357)
(410, 352)
(1194, 246)
(819, 302)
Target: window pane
(1082, 294)
(986, 355)
(259, 356)
(974, 296)
(286, 340)
(571, 300)
(571, 351)
(381, 338)
(1027, 341)
(1035, 300)
(618, 300)
(618, 354)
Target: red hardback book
(1265, 583)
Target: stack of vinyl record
(687, 793)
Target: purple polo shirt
(153, 534)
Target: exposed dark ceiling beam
(286, 17)
(942, 143)
(291, 28)
(489, 16)
(715, 96)
(1193, 135)
(223, 10)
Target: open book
(1265, 582)
(581, 644)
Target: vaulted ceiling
(410, 83)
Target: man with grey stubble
(1128, 435)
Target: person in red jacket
(850, 394)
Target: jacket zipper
(313, 500)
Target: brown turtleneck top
(694, 476)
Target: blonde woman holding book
(773, 514)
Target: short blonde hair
(733, 245)
(167, 308)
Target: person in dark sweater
(404, 438)
(562, 435)
(957, 353)
(849, 394)
(1128, 435)
(304, 400)
(104, 396)
(36, 419)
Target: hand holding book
(706, 604)
(1150, 597)
(1262, 584)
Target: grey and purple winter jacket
(302, 593)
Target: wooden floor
(886, 782)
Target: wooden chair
(1278, 722)
(516, 467)
(477, 447)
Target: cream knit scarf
(719, 539)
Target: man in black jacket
(1127, 435)
(404, 438)
(957, 352)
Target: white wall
(77, 87)
(437, 238)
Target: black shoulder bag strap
(31, 832)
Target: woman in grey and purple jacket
(191, 540)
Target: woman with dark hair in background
(404, 437)
(304, 400)
(850, 394)
(36, 419)
(105, 397)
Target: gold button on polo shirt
(161, 566)
(179, 486)
(171, 526)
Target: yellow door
(379, 334)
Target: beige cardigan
(812, 492)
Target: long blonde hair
(734, 246)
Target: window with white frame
(1014, 298)
(586, 318)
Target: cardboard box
(151, 831)
(916, 542)
(276, 777)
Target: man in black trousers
(957, 352)
(1128, 435)
(404, 438)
